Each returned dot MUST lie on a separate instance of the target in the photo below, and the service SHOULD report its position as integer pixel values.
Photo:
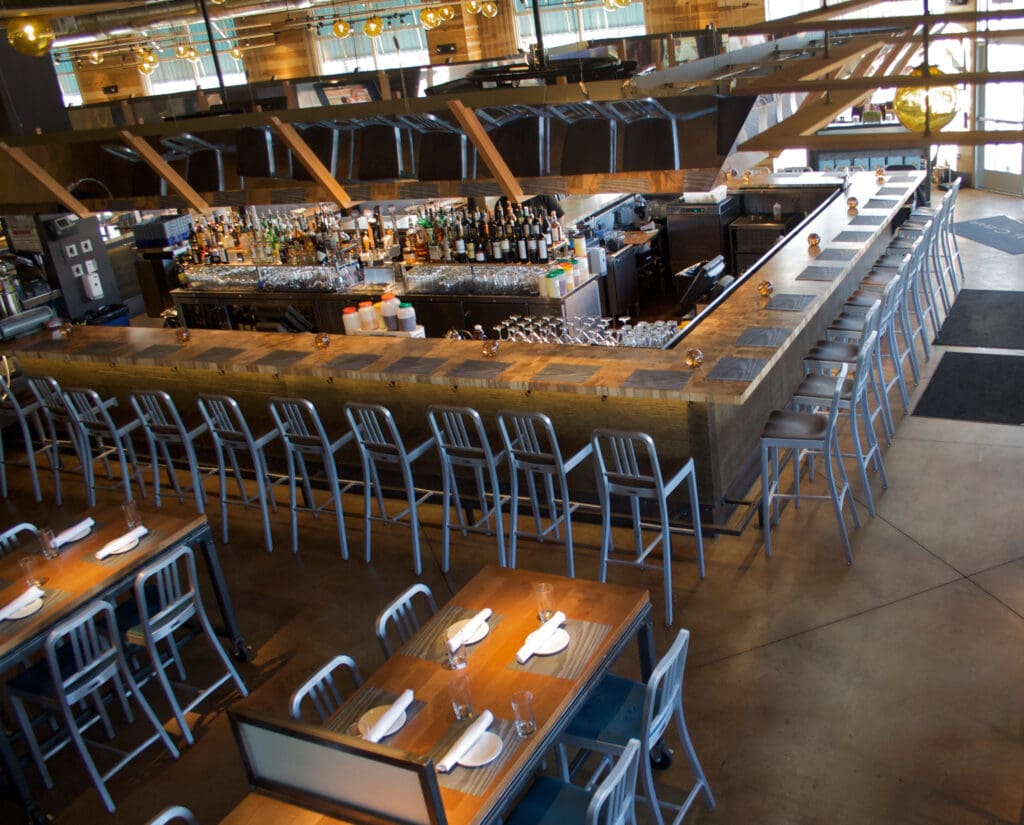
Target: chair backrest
(166, 593)
(84, 652)
(299, 423)
(10, 404)
(627, 464)
(460, 435)
(322, 691)
(614, 800)
(833, 410)
(47, 392)
(862, 370)
(530, 441)
(176, 813)
(665, 687)
(401, 613)
(86, 406)
(376, 432)
(226, 421)
(9, 538)
(157, 412)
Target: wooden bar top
(591, 371)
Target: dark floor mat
(984, 318)
(999, 232)
(976, 387)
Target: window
(69, 90)
(403, 43)
(562, 25)
(179, 74)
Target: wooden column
(321, 174)
(164, 170)
(290, 56)
(490, 155)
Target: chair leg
(168, 689)
(666, 558)
(414, 519)
(695, 510)
(691, 757)
(86, 757)
(862, 463)
(30, 739)
(513, 519)
(766, 500)
(446, 514)
(570, 559)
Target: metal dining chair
(9, 538)
(533, 452)
(83, 655)
(628, 467)
(381, 447)
(164, 429)
(167, 598)
(620, 710)
(305, 439)
(26, 412)
(176, 813)
(232, 440)
(465, 450)
(549, 801)
(321, 691)
(402, 614)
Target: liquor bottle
(460, 243)
(521, 250)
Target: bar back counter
(752, 348)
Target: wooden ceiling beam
(485, 147)
(307, 157)
(164, 170)
(46, 180)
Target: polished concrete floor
(816, 692)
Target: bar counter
(752, 349)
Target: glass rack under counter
(234, 277)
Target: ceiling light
(921, 108)
(430, 19)
(474, 6)
(147, 68)
(341, 29)
(181, 49)
(489, 8)
(30, 36)
(373, 27)
(192, 55)
(622, 3)
(95, 57)
(236, 52)
(447, 13)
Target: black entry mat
(999, 232)
(985, 318)
(976, 387)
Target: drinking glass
(461, 696)
(32, 570)
(131, 514)
(48, 543)
(544, 592)
(456, 659)
(522, 709)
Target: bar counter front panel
(703, 412)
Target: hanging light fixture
(474, 6)
(148, 63)
(447, 13)
(95, 57)
(373, 27)
(181, 49)
(341, 29)
(236, 52)
(30, 36)
(192, 55)
(489, 8)
(622, 3)
(609, 5)
(430, 18)
(217, 2)
(925, 107)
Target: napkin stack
(119, 544)
(75, 532)
(469, 738)
(24, 600)
(540, 637)
(389, 717)
(469, 629)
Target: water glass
(544, 592)
(131, 514)
(456, 658)
(522, 709)
(32, 570)
(48, 543)
(461, 696)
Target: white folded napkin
(75, 532)
(539, 637)
(118, 544)
(469, 629)
(466, 741)
(389, 717)
(23, 601)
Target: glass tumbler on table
(544, 592)
(522, 709)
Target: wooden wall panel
(462, 31)
(290, 57)
(662, 16)
(112, 72)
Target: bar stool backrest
(9, 538)
(863, 365)
(299, 423)
(614, 800)
(87, 407)
(47, 391)
(93, 652)
(530, 440)
(226, 421)
(322, 691)
(627, 464)
(11, 406)
(157, 412)
(401, 613)
(376, 432)
(460, 435)
(167, 593)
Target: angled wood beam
(814, 67)
(46, 180)
(475, 131)
(152, 157)
(307, 157)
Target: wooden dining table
(601, 620)
(76, 578)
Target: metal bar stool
(166, 597)
(56, 416)
(104, 438)
(25, 410)
(381, 446)
(304, 437)
(627, 465)
(815, 393)
(533, 450)
(402, 614)
(321, 691)
(232, 437)
(83, 655)
(165, 428)
(463, 446)
(621, 709)
(800, 432)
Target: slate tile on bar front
(107, 348)
(159, 352)
(218, 354)
(880, 203)
(892, 190)
(656, 380)
(736, 369)
(476, 368)
(763, 336)
(852, 237)
(835, 255)
(819, 273)
(556, 372)
(416, 365)
(282, 357)
(904, 178)
(789, 302)
(53, 344)
(868, 220)
(353, 361)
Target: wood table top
(75, 577)
(606, 371)
(262, 809)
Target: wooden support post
(164, 170)
(46, 180)
(307, 157)
(475, 131)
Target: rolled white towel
(389, 717)
(469, 629)
(24, 600)
(119, 544)
(539, 637)
(466, 741)
(74, 533)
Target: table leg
(645, 647)
(16, 776)
(231, 630)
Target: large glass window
(563, 24)
(402, 44)
(69, 89)
(179, 74)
